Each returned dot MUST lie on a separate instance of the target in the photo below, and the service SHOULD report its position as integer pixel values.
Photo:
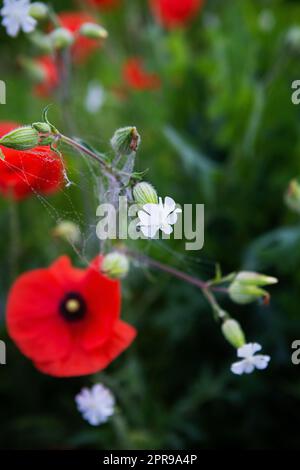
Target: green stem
(205, 287)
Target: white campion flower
(16, 17)
(250, 360)
(96, 404)
(161, 216)
(95, 97)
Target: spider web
(83, 175)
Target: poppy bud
(93, 31)
(144, 193)
(246, 287)
(115, 265)
(292, 196)
(42, 127)
(38, 11)
(233, 332)
(61, 38)
(67, 230)
(22, 138)
(125, 141)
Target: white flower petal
(248, 350)
(169, 205)
(95, 404)
(167, 229)
(29, 24)
(149, 231)
(145, 219)
(172, 218)
(238, 367)
(261, 362)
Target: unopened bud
(246, 287)
(115, 265)
(125, 141)
(61, 38)
(34, 70)
(144, 193)
(38, 11)
(93, 31)
(292, 196)
(41, 41)
(233, 332)
(68, 231)
(252, 278)
(293, 38)
(42, 127)
(23, 138)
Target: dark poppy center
(73, 307)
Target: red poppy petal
(104, 303)
(68, 276)
(80, 362)
(33, 318)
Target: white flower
(16, 17)
(159, 216)
(95, 97)
(250, 361)
(96, 404)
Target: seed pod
(125, 141)
(23, 138)
(144, 193)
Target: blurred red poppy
(50, 80)
(105, 4)
(83, 47)
(173, 13)
(24, 172)
(137, 77)
(66, 320)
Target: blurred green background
(221, 131)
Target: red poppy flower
(105, 4)
(137, 78)
(83, 47)
(23, 172)
(173, 13)
(66, 320)
(50, 80)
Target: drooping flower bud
(115, 265)
(61, 38)
(246, 287)
(41, 41)
(22, 138)
(68, 231)
(35, 71)
(292, 196)
(144, 193)
(42, 127)
(125, 141)
(93, 31)
(38, 11)
(233, 332)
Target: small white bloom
(159, 216)
(96, 404)
(95, 97)
(249, 361)
(16, 17)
